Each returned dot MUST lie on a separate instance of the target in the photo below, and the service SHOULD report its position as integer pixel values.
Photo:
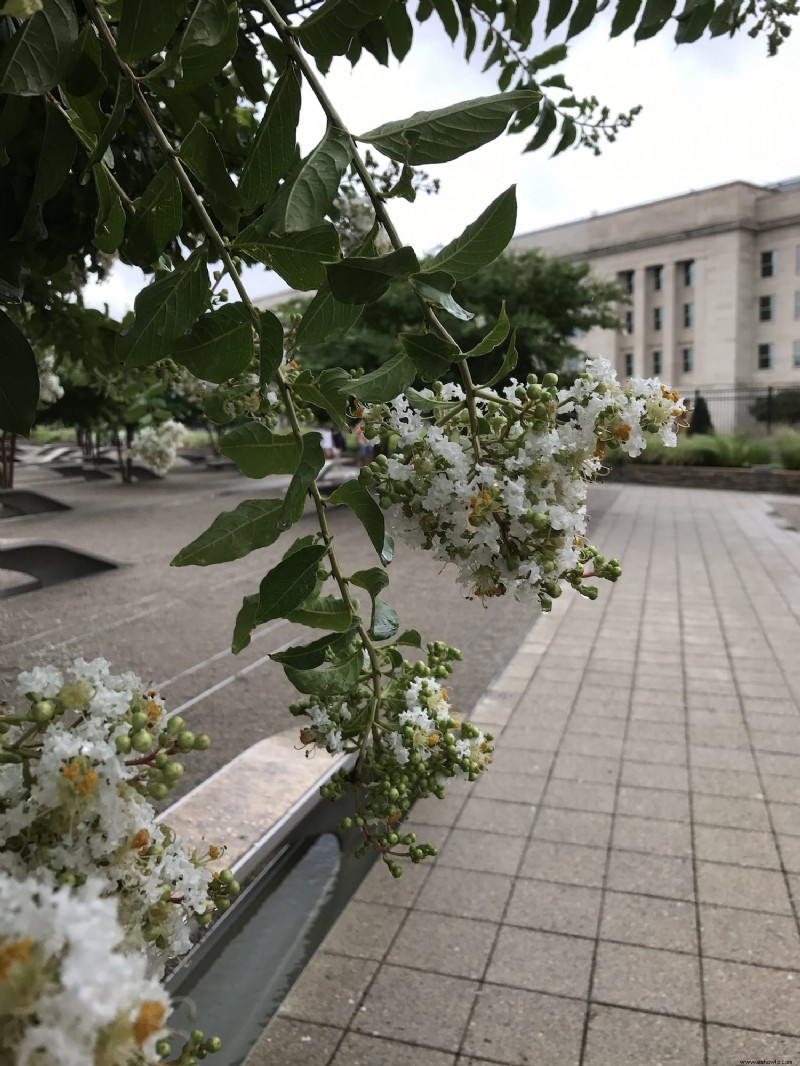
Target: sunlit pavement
(622, 888)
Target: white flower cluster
(70, 992)
(508, 505)
(156, 446)
(73, 801)
(50, 387)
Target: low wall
(747, 479)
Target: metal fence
(757, 410)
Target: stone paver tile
(656, 751)
(775, 723)
(579, 796)
(725, 783)
(573, 827)
(442, 944)
(730, 812)
(435, 811)
(619, 1037)
(287, 1042)
(650, 775)
(658, 732)
(573, 864)
(747, 936)
(440, 1012)
(651, 875)
(782, 789)
(555, 908)
(779, 765)
(785, 818)
(732, 736)
(586, 768)
(649, 922)
(519, 788)
(790, 852)
(659, 981)
(329, 989)
(752, 996)
(741, 847)
(497, 816)
(380, 887)
(727, 1046)
(654, 837)
(541, 962)
(738, 886)
(489, 852)
(360, 1050)
(587, 744)
(543, 739)
(510, 759)
(595, 725)
(364, 930)
(722, 758)
(654, 803)
(779, 743)
(480, 895)
(510, 1025)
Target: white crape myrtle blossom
(508, 505)
(157, 446)
(50, 387)
(71, 994)
(77, 773)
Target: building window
(688, 316)
(769, 264)
(797, 305)
(688, 272)
(688, 360)
(657, 318)
(626, 281)
(796, 354)
(629, 321)
(629, 364)
(658, 278)
(765, 356)
(766, 308)
(657, 363)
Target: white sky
(713, 112)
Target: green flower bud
(123, 744)
(43, 711)
(185, 740)
(142, 740)
(139, 720)
(201, 743)
(158, 791)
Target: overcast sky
(713, 112)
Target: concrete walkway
(622, 888)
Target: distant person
(338, 439)
(328, 446)
(363, 447)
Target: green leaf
(624, 16)
(430, 403)
(388, 381)
(326, 318)
(338, 678)
(354, 494)
(329, 391)
(323, 612)
(446, 11)
(436, 287)
(431, 355)
(310, 656)
(146, 27)
(201, 154)
(207, 43)
(569, 133)
(109, 229)
(399, 29)
(39, 54)
(158, 220)
(410, 638)
(556, 13)
(482, 241)
(219, 403)
(220, 344)
(275, 144)
(557, 53)
(692, 22)
(12, 284)
(445, 134)
(122, 101)
(286, 585)
(509, 363)
(385, 621)
(270, 347)
(56, 157)
(248, 69)
(233, 534)
(164, 311)
(654, 18)
(581, 17)
(497, 335)
(329, 31)
(312, 191)
(300, 257)
(245, 623)
(258, 452)
(312, 460)
(546, 124)
(404, 186)
(363, 279)
(19, 383)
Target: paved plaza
(622, 888)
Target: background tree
(700, 422)
(550, 301)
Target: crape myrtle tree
(123, 125)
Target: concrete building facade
(713, 284)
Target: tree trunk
(8, 448)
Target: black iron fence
(757, 410)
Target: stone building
(713, 284)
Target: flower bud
(142, 740)
(43, 711)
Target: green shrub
(787, 449)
